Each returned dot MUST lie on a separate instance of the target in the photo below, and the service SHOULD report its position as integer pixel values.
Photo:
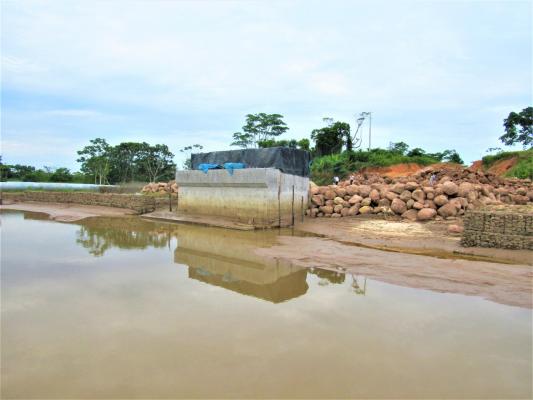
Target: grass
(324, 168)
(523, 168)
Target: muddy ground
(412, 254)
(64, 212)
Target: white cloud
(213, 62)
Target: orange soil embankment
(499, 168)
(400, 170)
(394, 171)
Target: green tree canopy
(399, 147)
(258, 128)
(155, 161)
(518, 128)
(187, 150)
(292, 143)
(95, 160)
(331, 138)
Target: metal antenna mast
(362, 116)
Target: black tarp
(287, 160)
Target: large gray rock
(374, 195)
(447, 210)
(426, 214)
(352, 189)
(450, 188)
(326, 210)
(366, 202)
(411, 186)
(464, 189)
(410, 215)
(317, 200)
(419, 195)
(390, 195)
(405, 195)
(398, 206)
(398, 188)
(353, 210)
(366, 210)
(440, 200)
(355, 199)
(364, 190)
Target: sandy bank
(502, 283)
(65, 212)
(429, 238)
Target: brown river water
(127, 308)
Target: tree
(187, 150)
(124, 161)
(399, 147)
(524, 134)
(156, 161)
(416, 152)
(452, 156)
(95, 160)
(61, 175)
(258, 128)
(331, 138)
(292, 143)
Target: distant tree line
(126, 162)
(102, 163)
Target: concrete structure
(260, 197)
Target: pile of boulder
(440, 193)
(161, 187)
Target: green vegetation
(324, 168)
(333, 152)
(126, 162)
(27, 173)
(258, 128)
(524, 134)
(102, 163)
(522, 169)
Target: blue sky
(436, 75)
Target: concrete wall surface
(262, 197)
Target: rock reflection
(226, 259)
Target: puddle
(128, 308)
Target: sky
(436, 75)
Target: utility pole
(360, 122)
(370, 130)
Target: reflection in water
(219, 257)
(357, 287)
(226, 259)
(330, 276)
(99, 235)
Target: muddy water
(125, 308)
